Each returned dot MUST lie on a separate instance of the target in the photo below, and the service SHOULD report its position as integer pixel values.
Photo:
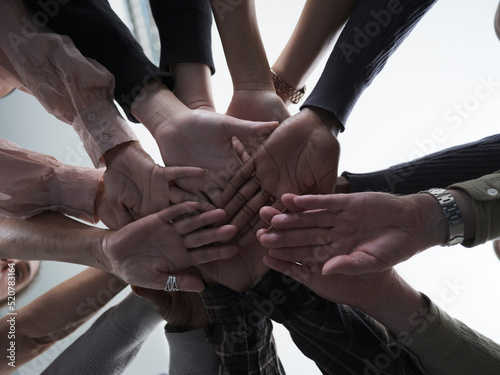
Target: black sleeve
(440, 169)
(98, 32)
(185, 31)
(373, 32)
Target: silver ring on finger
(171, 285)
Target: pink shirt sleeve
(76, 90)
(32, 183)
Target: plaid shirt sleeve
(242, 338)
(339, 338)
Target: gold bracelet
(283, 88)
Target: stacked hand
(301, 155)
(204, 139)
(145, 252)
(135, 186)
(352, 234)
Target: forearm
(51, 236)
(400, 308)
(185, 32)
(39, 325)
(357, 58)
(76, 90)
(34, 182)
(156, 104)
(193, 86)
(318, 24)
(440, 169)
(191, 353)
(243, 47)
(108, 41)
(111, 343)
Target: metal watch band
(456, 226)
(282, 87)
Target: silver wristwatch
(456, 226)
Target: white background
(398, 118)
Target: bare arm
(40, 324)
(142, 253)
(318, 24)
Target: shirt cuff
(101, 128)
(73, 191)
(485, 194)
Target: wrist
(451, 213)
(117, 152)
(400, 308)
(73, 191)
(156, 105)
(431, 220)
(193, 85)
(100, 259)
(253, 80)
(325, 117)
(286, 91)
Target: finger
(287, 200)
(209, 254)
(244, 173)
(250, 209)
(331, 202)
(179, 209)
(293, 270)
(307, 219)
(243, 128)
(319, 253)
(266, 213)
(192, 223)
(356, 263)
(296, 238)
(240, 150)
(123, 216)
(208, 236)
(174, 173)
(185, 282)
(214, 194)
(178, 195)
(241, 197)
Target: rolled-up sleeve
(76, 90)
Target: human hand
(193, 86)
(204, 139)
(146, 251)
(182, 310)
(343, 185)
(103, 209)
(257, 105)
(353, 234)
(301, 155)
(136, 186)
(239, 272)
